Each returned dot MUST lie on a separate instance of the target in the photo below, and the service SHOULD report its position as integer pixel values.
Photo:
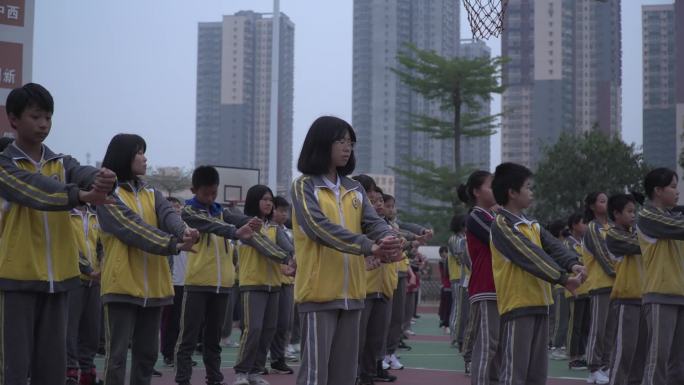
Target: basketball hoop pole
(275, 71)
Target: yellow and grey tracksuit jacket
(287, 280)
(576, 246)
(90, 251)
(260, 258)
(38, 251)
(526, 260)
(408, 231)
(629, 270)
(139, 231)
(211, 268)
(595, 255)
(459, 263)
(332, 235)
(661, 233)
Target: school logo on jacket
(356, 202)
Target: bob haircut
(121, 151)
(254, 196)
(314, 159)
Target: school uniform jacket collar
(347, 183)
(14, 152)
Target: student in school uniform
(558, 313)
(526, 261)
(627, 366)
(38, 252)
(139, 231)
(601, 275)
(484, 316)
(414, 235)
(337, 233)
(375, 317)
(260, 284)
(209, 275)
(661, 230)
(458, 264)
(578, 303)
(281, 214)
(83, 331)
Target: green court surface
(431, 361)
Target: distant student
(601, 275)
(83, 332)
(139, 231)
(627, 366)
(579, 304)
(171, 314)
(209, 275)
(281, 214)
(260, 283)
(526, 260)
(459, 266)
(559, 312)
(336, 230)
(38, 251)
(661, 231)
(484, 316)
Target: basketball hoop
(485, 17)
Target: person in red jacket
(484, 316)
(445, 301)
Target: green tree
(578, 165)
(459, 87)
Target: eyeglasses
(346, 142)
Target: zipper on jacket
(48, 253)
(146, 283)
(48, 242)
(218, 263)
(345, 284)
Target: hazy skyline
(130, 66)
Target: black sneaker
(383, 375)
(403, 346)
(363, 380)
(280, 367)
(577, 365)
(193, 363)
(156, 373)
(263, 371)
(169, 362)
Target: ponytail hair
(475, 181)
(588, 202)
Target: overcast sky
(130, 66)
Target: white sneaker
(559, 355)
(410, 332)
(385, 363)
(598, 377)
(606, 372)
(394, 363)
(256, 379)
(241, 379)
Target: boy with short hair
(526, 260)
(83, 329)
(281, 214)
(37, 268)
(209, 275)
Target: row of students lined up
(633, 281)
(337, 233)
